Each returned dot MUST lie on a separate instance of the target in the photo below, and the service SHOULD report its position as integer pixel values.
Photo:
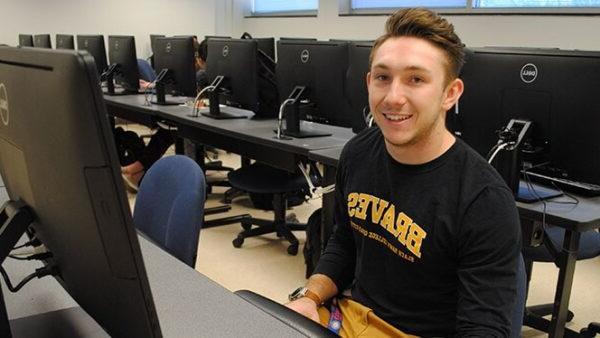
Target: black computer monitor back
(356, 83)
(555, 89)
(177, 55)
(57, 155)
(42, 41)
(121, 51)
(320, 67)
(25, 40)
(94, 44)
(153, 38)
(65, 41)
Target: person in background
(427, 238)
(162, 139)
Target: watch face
(299, 292)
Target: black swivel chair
(259, 178)
(589, 247)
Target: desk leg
(328, 207)
(567, 259)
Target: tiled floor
(262, 264)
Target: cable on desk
(43, 255)
(31, 242)
(39, 273)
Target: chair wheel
(292, 249)
(246, 226)
(238, 242)
(291, 218)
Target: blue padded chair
(589, 247)
(170, 205)
(146, 71)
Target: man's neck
(423, 151)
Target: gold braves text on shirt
(400, 225)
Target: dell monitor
(64, 41)
(64, 182)
(25, 40)
(554, 90)
(42, 41)
(153, 38)
(311, 77)
(94, 44)
(356, 83)
(123, 65)
(235, 69)
(174, 62)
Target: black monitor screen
(25, 40)
(94, 44)
(177, 56)
(121, 52)
(64, 41)
(64, 167)
(320, 67)
(356, 83)
(42, 41)
(555, 89)
(240, 65)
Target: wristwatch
(304, 292)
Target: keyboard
(582, 188)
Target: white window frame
(248, 12)
(345, 9)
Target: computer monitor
(553, 89)
(25, 40)
(71, 186)
(42, 41)
(64, 41)
(234, 69)
(356, 83)
(153, 38)
(311, 77)
(94, 44)
(283, 38)
(174, 62)
(123, 65)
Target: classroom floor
(263, 265)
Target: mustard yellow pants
(360, 321)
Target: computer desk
(188, 304)
(575, 219)
(252, 138)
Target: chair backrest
(170, 205)
(147, 73)
(519, 309)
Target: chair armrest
(285, 315)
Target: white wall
(139, 18)
(568, 32)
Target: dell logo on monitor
(117, 45)
(529, 73)
(3, 104)
(225, 51)
(304, 56)
(168, 48)
(85, 43)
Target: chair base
(282, 229)
(534, 318)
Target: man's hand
(306, 307)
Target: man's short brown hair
(425, 24)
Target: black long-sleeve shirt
(431, 248)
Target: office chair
(170, 205)
(589, 247)
(260, 178)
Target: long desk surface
(188, 304)
(250, 137)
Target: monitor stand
(15, 217)
(214, 110)
(531, 192)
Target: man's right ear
(368, 78)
